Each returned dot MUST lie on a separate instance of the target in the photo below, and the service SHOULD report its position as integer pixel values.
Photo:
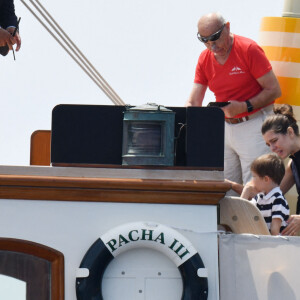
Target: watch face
(249, 106)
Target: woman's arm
(288, 180)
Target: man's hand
(270, 91)
(17, 37)
(6, 39)
(234, 108)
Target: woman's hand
(293, 225)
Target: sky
(146, 50)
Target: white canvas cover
(259, 267)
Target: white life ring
(146, 235)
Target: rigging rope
(67, 44)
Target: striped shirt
(272, 205)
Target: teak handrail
(112, 189)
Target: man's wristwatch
(249, 106)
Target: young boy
(267, 173)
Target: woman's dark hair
(281, 121)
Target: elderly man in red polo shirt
(236, 69)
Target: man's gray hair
(220, 18)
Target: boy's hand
(249, 191)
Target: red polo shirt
(236, 79)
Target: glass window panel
(12, 288)
(35, 271)
(145, 138)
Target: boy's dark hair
(269, 165)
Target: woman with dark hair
(281, 133)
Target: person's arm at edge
(237, 187)
(6, 39)
(9, 22)
(17, 37)
(246, 191)
(197, 95)
(270, 91)
(275, 226)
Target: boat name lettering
(146, 235)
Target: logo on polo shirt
(236, 70)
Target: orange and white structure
(280, 39)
